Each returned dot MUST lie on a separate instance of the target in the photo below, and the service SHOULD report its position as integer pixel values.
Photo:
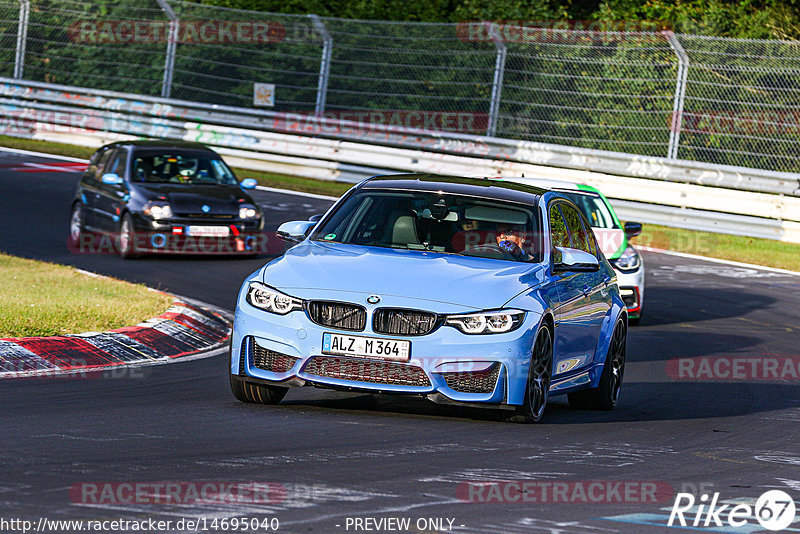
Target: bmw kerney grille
(338, 315)
(269, 360)
(372, 371)
(473, 381)
(403, 322)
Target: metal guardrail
(614, 163)
(751, 202)
(653, 93)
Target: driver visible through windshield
(437, 222)
(181, 168)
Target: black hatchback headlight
(248, 211)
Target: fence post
(22, 38)
(680, 95)
(172, 44)
(497, 82)
(324, 65)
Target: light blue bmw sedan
(472, 291)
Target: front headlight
(629, 262)
(271, 300)
(494, 322)
(248, 211)
(157, 210)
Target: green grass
(48, 147)
(745, 249)
(44, 299)
(728, 247)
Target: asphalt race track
(332, 457)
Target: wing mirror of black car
(111, 178)
(315, 218)
(572, 259)
(295, 231)
(632, 229)
(248, 183)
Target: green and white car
(612, 236)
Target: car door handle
(606, 280)
(586, 291)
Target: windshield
(594, 208)
(181, 168)
(438, 222)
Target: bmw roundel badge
(373, 299)
(206, 208)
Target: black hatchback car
(164, 197)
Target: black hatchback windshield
(181, 168)
(446, 223)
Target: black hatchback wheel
(606, 394)
(539, 374)
(76, 223)
(127, 238)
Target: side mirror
(248, 183)
(111, 178)
(572, 259)
(294, 231)
(315, 218)
(632, 229)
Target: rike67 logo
(774, 510)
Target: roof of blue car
(481, 187)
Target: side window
(117, 164)
(101, 164)
(580, 238)
(558, 228)
(592, 240)
(97, 155)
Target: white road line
(297, 193)
(718, 260)
(260, 187)
(42, 154)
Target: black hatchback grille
(473, 381)
(403, 322)
(371, 371)
(338, 315)
(270, 360)
(206, 215)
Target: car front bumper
(445, 365)
(631, 289)
(171, 236)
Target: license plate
(208, 231)
(366, 347)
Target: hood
(611, 241)
(475, 283)
(220, 199)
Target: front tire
(255, 393)
(606, 394)
(538, 385)
(127, 238)
(76, 229)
